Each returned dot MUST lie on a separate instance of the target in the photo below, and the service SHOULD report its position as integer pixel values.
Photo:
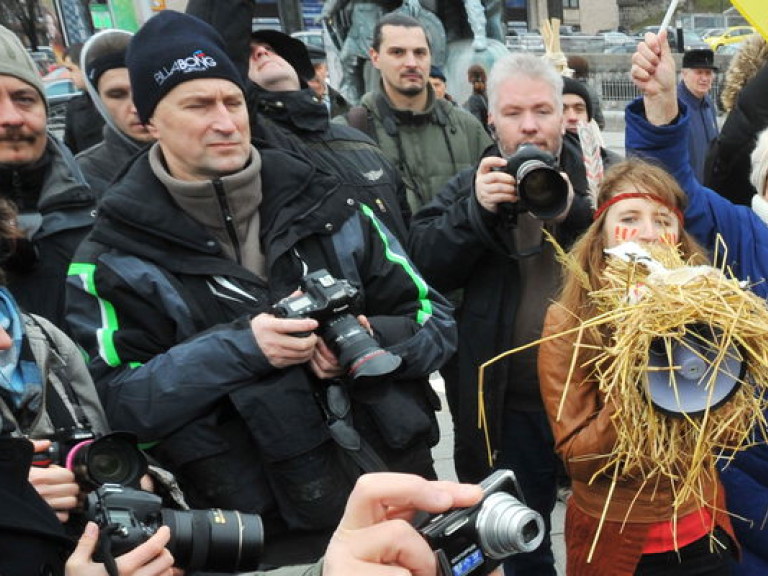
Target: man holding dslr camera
(483, 235)
(172, 297)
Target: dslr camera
(112, 458)
(208, 540)
(331, 302)
(474, 541)
(541, 188)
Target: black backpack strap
(357, 117)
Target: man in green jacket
(428, 139)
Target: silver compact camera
(475, 540)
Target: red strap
(626, 195)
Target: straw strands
(641, 306)
(650, 296)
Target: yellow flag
(755, 12)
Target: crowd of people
(256, 279)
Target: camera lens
(357, 350)
(543, 190)
(506, 526)
(112, 459)
(215, 540)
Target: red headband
(626, 195)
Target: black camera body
(332, 302)
(62, 443)
(542, 190)
(474, 541)
(112, 458)
(209, 540)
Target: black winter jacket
(82, 124)
(56, 210)
(458, 245)
(164, 317)
(728, 163)
(299, 121)
(102, 163)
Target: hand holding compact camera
(474, 541)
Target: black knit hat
(703, 58)
(172, 48)
(436, 72)
(289, 49)
(571, 86)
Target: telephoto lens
(542, 189)
(207, 540)
(215, 540)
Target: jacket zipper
(221, 196)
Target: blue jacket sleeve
(152, 372)
(708, 215)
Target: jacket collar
(138, 215)
(299, 110)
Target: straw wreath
(647, 294)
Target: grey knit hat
(15, 61)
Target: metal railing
(616, 88)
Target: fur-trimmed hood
(745, 64)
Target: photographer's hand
(493, 185)
(324, 363)
(151, 558)
(55, 484)
(277, 339)
(374, 537)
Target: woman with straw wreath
(647, 495)
(641, 503)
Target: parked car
(626, 48)
(615, 38)
(531, 42)
(310, 37)
(732, 35)
(691, 40)
(731, 49)
(709, 32)
(58, 93)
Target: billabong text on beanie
(172, 48)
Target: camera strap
(56, 407)
(337, 409)
(105, 552)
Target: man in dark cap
(577, 106)
(439, 83)
(696, 80)
(172, 298)
(281, 101)
(332, 98)
(107, 82)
